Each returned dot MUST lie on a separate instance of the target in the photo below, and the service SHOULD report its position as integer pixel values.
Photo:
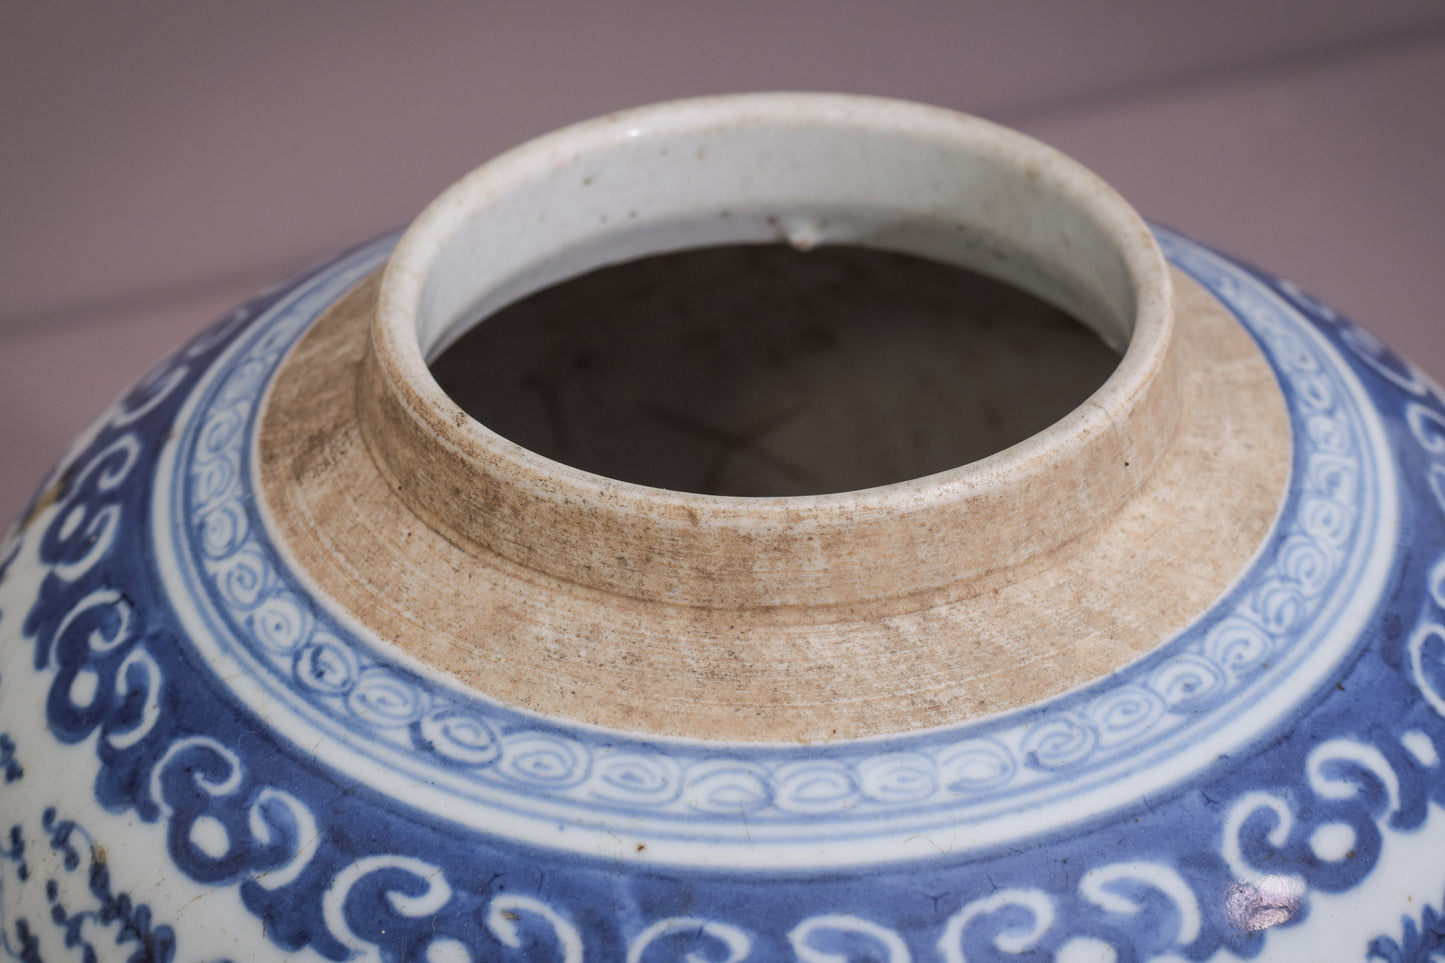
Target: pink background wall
(161, 160)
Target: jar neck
(802, 170)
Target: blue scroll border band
(384, 713)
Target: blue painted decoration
(169, 644)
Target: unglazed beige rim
(1021, 211)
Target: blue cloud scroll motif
(1232, 856)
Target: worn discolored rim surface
(980, 589)
(805, 169)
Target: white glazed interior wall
(918, 184)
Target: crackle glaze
(207, 754)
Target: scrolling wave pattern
(305, 657)
(1420, 430)
(119, 674)
(1217, 864)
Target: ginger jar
(714, 645)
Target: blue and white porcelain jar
(298, 660)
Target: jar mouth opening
(804, 170)
(760, 370)
(798, 169)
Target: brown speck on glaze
(49, 497)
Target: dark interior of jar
(764, 370)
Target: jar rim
(1057, 226)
